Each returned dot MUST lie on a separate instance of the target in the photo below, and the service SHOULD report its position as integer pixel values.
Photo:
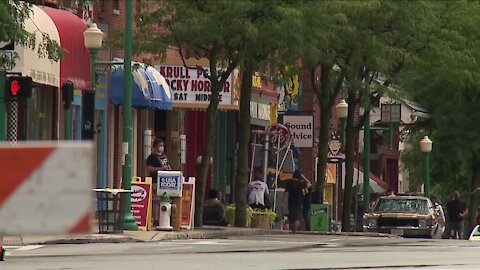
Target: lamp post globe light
(426, 148)
(93, 37)
(342, 109)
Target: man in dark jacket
(457, 211)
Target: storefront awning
(75, 66)
(149, 88)
(30, 62)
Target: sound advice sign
(301, 128)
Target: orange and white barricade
(49, 183)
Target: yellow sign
(257, 81)
(331, 173)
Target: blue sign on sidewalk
(170, 182)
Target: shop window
(41, 114)
(160, 120)
(76, 122)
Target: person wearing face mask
(157, 161)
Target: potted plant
(230, 215)
(263, 219)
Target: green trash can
(320, 218)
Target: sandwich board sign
(142, 202)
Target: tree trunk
(322, 153)
(323, 97)
(202, 169)
(349, 158)
(243, 147)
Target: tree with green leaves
(229, 34)
(13, 15)
(386, 42)
(273, 26)
(446, 82)
(202, 29)
(358, 49)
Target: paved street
(251, 252)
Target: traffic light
(19, 87)
(67, 93)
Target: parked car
(409, 216)
(475, 234)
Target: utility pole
(129, 222)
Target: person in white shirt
(440, 218)
(257, 192)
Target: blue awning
(149, 88)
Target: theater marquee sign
(191, 89)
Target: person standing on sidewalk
(439, 216)
(294, 197)
(306, 201)
(457, 211)
(157, 161)
(257, 192)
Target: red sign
(141, 203)
(187, 204)
(281, 133)
(14, 87)
(19, 87)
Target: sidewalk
(208, 232)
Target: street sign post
(280, 135)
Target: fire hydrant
(165, 213)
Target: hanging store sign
(260, 111)
(192, 89)
(301, 128)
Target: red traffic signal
(19, 87)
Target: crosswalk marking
(206, 242)
(10, 249)
(30, 247)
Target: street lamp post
(366, 164)
(426, 148)
(129, 222)
(93, 38)
(342, 114)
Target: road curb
(212, 234)
(159, 236)
(205, 233)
